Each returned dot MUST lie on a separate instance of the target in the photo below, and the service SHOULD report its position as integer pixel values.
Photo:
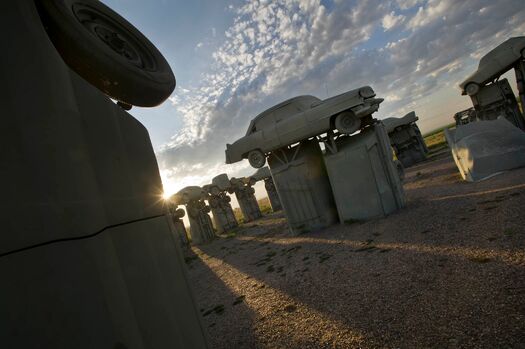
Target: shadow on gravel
(440, 274)
(220, 307)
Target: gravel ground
(447, 271)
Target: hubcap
(115, 36)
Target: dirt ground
(446, 271)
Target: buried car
(301, 118)
(494, 63)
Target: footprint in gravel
(218, 309)
(441, 262)
(369, 248)
(479, 259)
(514, 194)
(290, 308)
(488, 208)
(306, 258)
(324, 257)
(211, 325)
(425, 232)
(239, 300)
(270, 269)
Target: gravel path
(447, 271)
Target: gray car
(493, 64)
(187, 194)
(301, 118)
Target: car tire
(107, 51)
(347, 122)
(256, 158)
(215, 191)
(472, 88)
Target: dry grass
(265, 206)
(436, 139)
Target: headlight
(367, 92)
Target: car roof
(392, 123)
(504, 46)
(302, 103)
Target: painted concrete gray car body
(201, 226)
(177, 225)
(302, 182)
(482, 149)
(496, 62)
(492, 97)
(406, 139)
(265, 175)
(497, 99)
(298, 119)
(364, 179)
(87, 257)
(219, 202)
(245, 195)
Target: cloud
(406, 4)
(391, 20)
(275, 50)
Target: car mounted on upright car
(493, 64)
(301, 118)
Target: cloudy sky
(234, 59)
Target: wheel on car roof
(347, 122)
(256, 158)
(472, 88)
(179, 213)
(215, 191)
(107, 51)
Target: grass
(265, 206)
(238, 215)
(435, 140)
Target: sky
(235, 59)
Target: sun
(166, 196)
